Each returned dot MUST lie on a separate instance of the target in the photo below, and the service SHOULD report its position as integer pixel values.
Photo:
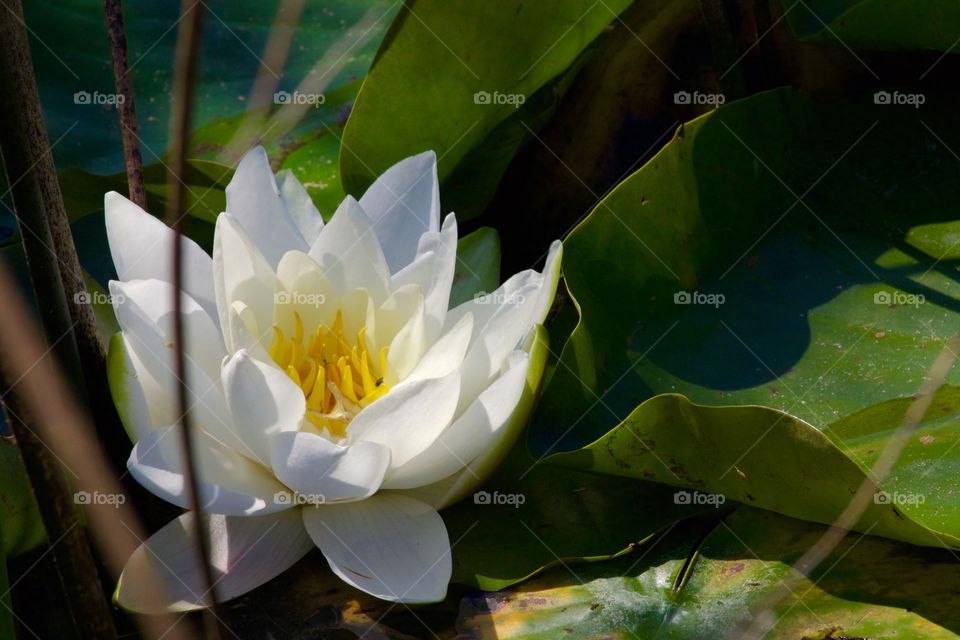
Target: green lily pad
(769, 459)
(702, 274)
(477, 78)
(866, 588)
(877, 24)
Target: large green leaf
(815, 319)
(877, 24)
(428, 86)
(769, 459)
(833, 308)
(866, 588)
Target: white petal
(245, 552)
(446, 354)
(470, 435)
(409, 343)
(503, 332)
(390, 546)
(349, 253)
(241, 273)
(154, 299)
(433, 271)
(123, 373)
(263, 401)
(316, 468)
(142, 248)
(408, 418)
(404, 203)
(245, 332)
(228, 483)
(152, 352)
(302, 288)
(253, 198)
(299, 205)
(551, 277)
(459, 485)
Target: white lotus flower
(337, 400)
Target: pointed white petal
(142, 249)
(253, 198)
(410, 342)
(446, 354)
(228, 483)
(154, 299)
(325, 472)
(502, 333)
(408, 418)
(459, 485)
(433, 271)
(551, 277)
(470, 435)
(152, 352)
(391, 546)
(349, 253)
(245, 551)
(241, 273)
(404, 203)
(263, 401)
(299, 205)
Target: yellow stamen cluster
(337, 378)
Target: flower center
(338, 378)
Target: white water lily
(338, 402)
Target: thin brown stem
(55, 271)
(126, 107)
(184, 84)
